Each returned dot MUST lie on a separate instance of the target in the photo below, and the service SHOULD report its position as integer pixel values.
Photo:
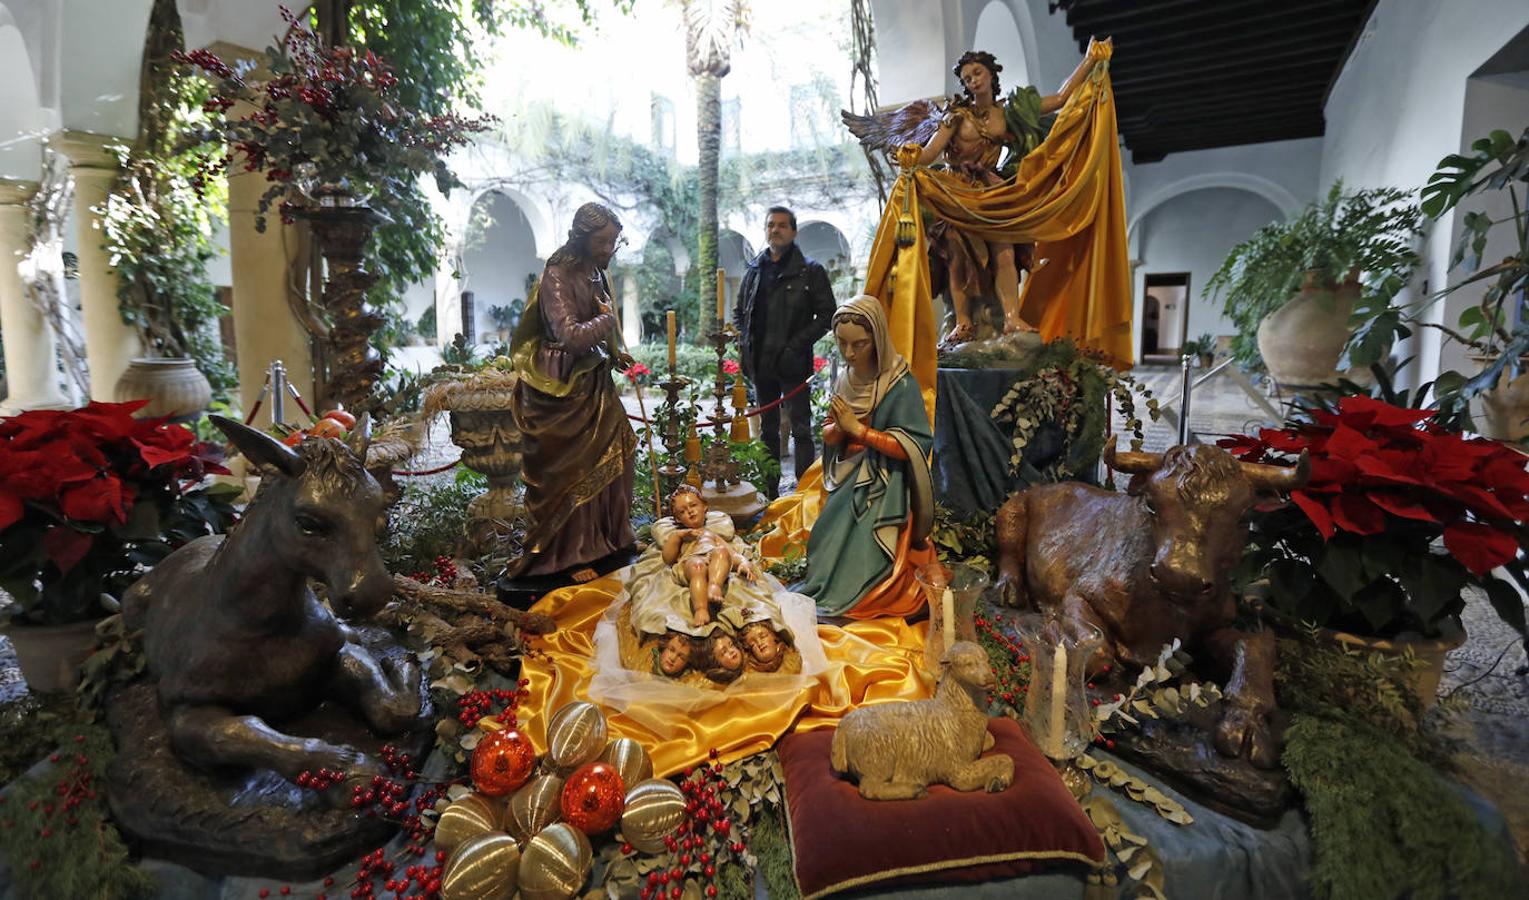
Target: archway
(998, 33)
(827, 244)
(1190, 235)
(733, 256)
(499, 263)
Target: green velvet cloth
(854, 541)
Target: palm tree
(710, 29)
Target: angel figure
(982, 137)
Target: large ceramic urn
(484, 428)
(1303, 340)
(174, 387)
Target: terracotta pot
(173, 387)
(50, 655)
(1505, 408)
(1302, 341)
(1429, 651)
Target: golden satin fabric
(1067, 198)
(868, 662)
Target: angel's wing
(914, 123)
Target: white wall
(1500, 102)
(1193, 233)
(1398, 107)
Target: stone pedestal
(110, 343)
(31, 363)
(354, 365)
(742, 502)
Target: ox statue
(1151, 565)
(238, 644)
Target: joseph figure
(578, 445)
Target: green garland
(1385, 824)
(55, 831)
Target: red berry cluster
(322, 780)
(501, 703)
(445, 574)
(704, 842)
(422, 878)
(1013, 679)
(205, 60)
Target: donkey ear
(360, 437)
(260, 448)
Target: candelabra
(672, 472)
(718, 464)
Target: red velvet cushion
(841, 841)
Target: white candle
(1058, 701)
(721, 297)
(948, 617)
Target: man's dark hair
(783, 211)
(590, 218)
(982, 58)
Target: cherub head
(687, 506)
(672, 655)
(721, 658)
(763, 644)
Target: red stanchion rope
(748, 413)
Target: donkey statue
(236, 641)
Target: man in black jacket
(784, 305)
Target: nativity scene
(532, 609)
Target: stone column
(31, 361)
(631, 317)
(265, 327)
(110, 343)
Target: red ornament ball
(502, 762)
(593, 798)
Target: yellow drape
(868, 662)
(1067, 198)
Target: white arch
(1019, 72)
(546, 238)
(1283, 200)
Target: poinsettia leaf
(1399, 504)
(1378, 603)
(11, 509)
(1480, 548)
(1314, 511)
(1508, 603)
(1431, 583)
(1346, 443)
(1355, 513)
(1341, 567)
(66, 547)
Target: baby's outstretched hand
(746, 569)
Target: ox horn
(1279, 479)
(1131, 462)
(360, 437)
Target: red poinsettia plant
(325, 118)
(88, 497)
(1401, 515)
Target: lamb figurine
(895, 750)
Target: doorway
(1165, 316)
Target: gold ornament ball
(473, 816)
(555, 864)
(654, 809)
(484, 868)
(575, 736)
(629, 759)
(534, 807)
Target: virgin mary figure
(871, 535)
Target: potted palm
(1293, 286)
(88, 497)
(1202, 348)
(1496, 327)
(1400, 516)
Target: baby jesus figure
(700, 556)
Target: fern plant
(1366, 234)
